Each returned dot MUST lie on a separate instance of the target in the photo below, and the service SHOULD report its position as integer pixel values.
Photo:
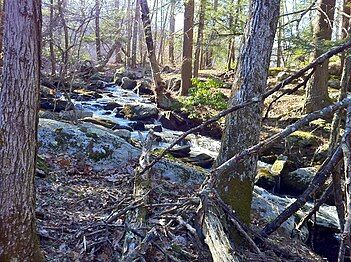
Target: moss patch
(302, 138)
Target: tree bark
(317, 91)
(171, 33)
(19, 100)
(162, 100)
(135, 34)
(200, 36)
(51, 41)
(97, 30)
(243, 126)
(186, 71)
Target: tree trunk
(243, 126)
(200, 36)
(64, 67)
(51, 41)
(2, 18)
(19, 100)
(317, 91)
(171, 33)
(97, 30)
(186, 71)
(162, 100)
(234, 25)
(135, 34)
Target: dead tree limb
(316, 207)
(318, 61)
(318, 180)
(287, 131)
(346, 148)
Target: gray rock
(128, 83)
(140, 111)
(297, 181)
(103, 150)
(268, 206)
(282, 75)
(123, 133)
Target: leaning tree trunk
(19, 100)
(186, 71)
(162, 100)
(243, 126)
(317, 91)
(200, 36)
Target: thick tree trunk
(135, 34)
(171, 33)
(186, 71)
(200, 36)
(243, 126)
(97, 30)
(317, 91)
(19, 100)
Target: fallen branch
(316, 207)
(287, 131)
(318, 61)
(318, 180)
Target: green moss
(302, 138)
(98, 155)
(92, 135)
(42, 165)
(274, 71)
(62, 138)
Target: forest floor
(74, 204)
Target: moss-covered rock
(302, 139)
(103, 150)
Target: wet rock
(334, 83)
(123, 133)
(128, 84)
(137, 126)
(157, 128)
(143, 88)
(265, 178)
(180, 122)
(268, 206)
(55, 105)
(46, 92)
(180, 151)
(99, 76)
(297, 181)
(202, 160)
(112, 105)
(140, 111)
(101, 122)
(103, 150)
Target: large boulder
(103, 150)
(268, 206)
(297, 181)
(140, 111)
